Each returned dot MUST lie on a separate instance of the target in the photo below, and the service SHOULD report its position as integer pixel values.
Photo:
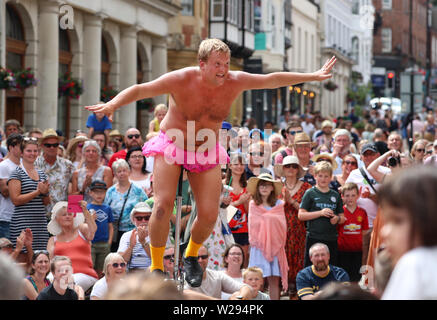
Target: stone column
(159, 63)
(92, 65)
(48, 64)
(128, 74)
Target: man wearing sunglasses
(58, 170)
(132, 138)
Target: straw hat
(115, 133)
(139, 207)
(303, 138)
(325, 156)
(279, 171)
(73, 142)
(50, 133)
(253, 183)
(53, 227)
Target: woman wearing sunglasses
(418, 151)
(114, 269)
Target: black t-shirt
(49, 293)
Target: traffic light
(390, 79)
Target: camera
(394, 161)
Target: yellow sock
(157, 254)
(192, 249)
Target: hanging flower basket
(7, 79)
(146, 104)
(330, 85)
(25, 79)
(107, 93)
(70, 87)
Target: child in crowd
(350, 233)
(101, 244)
(322, 209)
(268, 231)
(408, 204)
(98, 121)
(253, 276)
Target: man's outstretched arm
(282, 79)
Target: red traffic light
(390, 75)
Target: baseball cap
(98, 184)
(369, 147)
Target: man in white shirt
(8, 166)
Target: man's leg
(165, 181)
(206, 187)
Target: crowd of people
(305, 202)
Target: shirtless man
(203, 96)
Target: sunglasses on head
(51, 145)
(141, 218)
(30, 139)
(116, 265)
(131, 136)
(292, 132)
(203, 257)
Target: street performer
(200, 99)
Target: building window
(187, 7)
(65, 60)
(386, 4)
(386, 39)
(217, 9)
(233, 12)
(257, 16)
(106, 67)
(355, 48)
(248, 15)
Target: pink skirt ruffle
(191, 161)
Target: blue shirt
(102, 125)
(308, 282)
(104, 217)
(115, 200)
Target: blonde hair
(208, 46)
(160, 107)
(323, 166)
(254, 270)
(111, 256)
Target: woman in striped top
(29, 192)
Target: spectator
(418, 151)
(131, 139)
(341, 147)
(58, 170)
(134, 244)
(276, 144)
(302, 149)
(169, 259)
(322, 208)
(307, 125)
(122, 197)
(216, 282)
(234, 263)
(367, 185)
(253, 276)
(409, 233)
(292, 171)
(11, 126)
(348, 164)
(91, 170)
(29, 192)
(255, 163)
(24, 240)
(61, 287)
(236, 178)
(350, 233)
(159, 113)
(74, 151)
(115, 141)
(102, 241)
(37, 280)
(8, 166)
(325, 137)
(114, 269)
(394, 142)
(98, 121)
(289, 133)
(380, 140)
(102, 139)
(11, 279)
(268, 231)
(311, 279)
(139, 174)
(73, 233)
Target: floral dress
(296, 232)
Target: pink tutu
(191, 161)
